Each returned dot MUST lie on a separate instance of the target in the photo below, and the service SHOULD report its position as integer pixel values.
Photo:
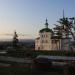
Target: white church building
(47, 41)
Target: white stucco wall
(37, 44)
(45, 41)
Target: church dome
(45, 30)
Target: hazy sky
(28, 16)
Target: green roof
(45, 30)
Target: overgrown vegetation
(33, 53)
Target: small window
(42, 36)
(42, 41)
(46, 41)
(38, 48)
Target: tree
(67, 26)
(15, 40)
(58, 31)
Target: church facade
(48, 41)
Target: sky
(28, 16)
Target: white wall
(45, 41)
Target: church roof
(38, 38)
(45, 30)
